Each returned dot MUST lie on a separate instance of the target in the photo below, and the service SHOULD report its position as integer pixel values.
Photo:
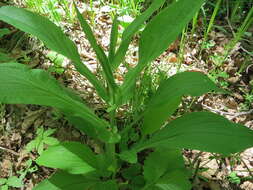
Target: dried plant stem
(9, 150)
(234, 115)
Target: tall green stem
(110, 148)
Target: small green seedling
(208, 44)
(233, 178)
(17, 182)
(41, 140)
(57, 60)
(219, 77)
(247, 104)
(28, 169)
(13, 181)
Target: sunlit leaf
(159, 33)
(132, 29)
(168, 97)
(21, 85)
(72, 157)
(52, 36)
(203, 131)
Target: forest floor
(19, 123)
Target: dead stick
(10, 151)
(227, 113)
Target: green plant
(17, 182)
(249, 97)
(57, 60)
(3, 55)
(57, 10)
(145, 153)
(210, 25)
(194, 23)
(28, 169)
(42, 138)
(235, 9)
(248, 100)
(208, 44)
(5, 58)
(4, 31)
(126, 7)
(238, 35)
(233, 178)
(218, 77)
(12, 181)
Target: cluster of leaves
(17, 182)
(12, 181)
(42, 138)
(153, 161)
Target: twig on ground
(234, 115)
(249, 53)
(250, 172)
(247, 69)
(9, 150)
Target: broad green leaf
(168, 159)
(40, 148)
(113, 39)
(4, 31)
(203, 131)
(52, 36)
(169, 174)
(165, 28)
(40, 27)
(65, 181)
(168, 97)
(137, 182)
(104, 165)
(3, 181)
(98, 50)
(56, 58)
(50, 141)
(132, 171)
(48, 132)
(175, 180)
(162, 30)
(152, 170)
(4, 187)
(132, 29)
(72, 157)
(107, 185)
(14, 181)
(72, 154)
(129, 156)
(21, 85)
(97, 131)
(4, 58)
(153, 187)
(30, 146)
